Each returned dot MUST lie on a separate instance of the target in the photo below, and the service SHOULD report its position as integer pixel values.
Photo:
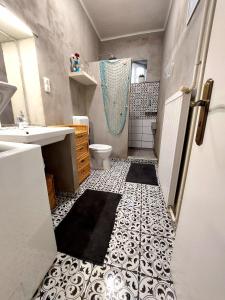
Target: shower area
(122, 107)
(143, 103)
(107, 104)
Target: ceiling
(4, 37)
(118, 18)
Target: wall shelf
(83, 78)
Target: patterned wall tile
(144, 100)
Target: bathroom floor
(137, 153)
(137, 264)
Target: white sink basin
(9, 148)
(34, 135)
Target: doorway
(142, 113)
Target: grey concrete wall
(7, 116)
(62, 28)
(3, 76)
(99, 132)
(180, 45)
(146, 46)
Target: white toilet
(100, 156)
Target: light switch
(47, 85)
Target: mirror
(139, 71)
(6, 92)
(19, 67)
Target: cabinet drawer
(83, 173)
(83, 161)
(81, 138)
(82, 150)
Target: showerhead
(6, 92)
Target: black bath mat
(85, 232)
(142, 173)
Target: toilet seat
(100, 147)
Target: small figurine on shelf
(72, 63)
(75, 62)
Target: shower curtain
(115, 82)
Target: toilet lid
(100, 147)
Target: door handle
(204, 110)
(199, 103)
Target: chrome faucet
(21, 121)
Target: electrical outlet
(47, 85)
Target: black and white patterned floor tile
(151, 288)
(128, 220)
(155, 256)
(161, 227)
(128, 214)
(112, 284)
(137, 264)
(124, 249)
(67, 279)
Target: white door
(198, 263)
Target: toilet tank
(81, 120)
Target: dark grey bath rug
(86, 230)
(142, 173)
